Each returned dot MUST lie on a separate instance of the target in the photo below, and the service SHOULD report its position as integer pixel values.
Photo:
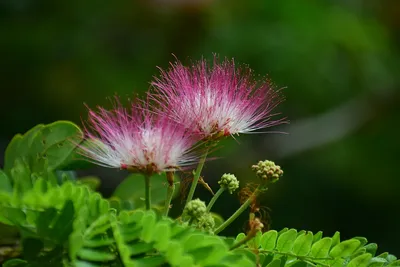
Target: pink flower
(215, 101)
(138, 140)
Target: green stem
(147, 191)
(170, 193)
(196, 177)
(215, 197)
(242, 208)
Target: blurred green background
(339, 62)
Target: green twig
(242, 208)
(215, 197)
(196, 177)
(147, 191)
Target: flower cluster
(195, 209)
(197, 212)
(267, 171)
(216, 101)
(229, 181)
(188, 106)
(138, 140)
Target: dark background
(339, 62)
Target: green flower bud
(229, 181)
(206, 223)
(195, 209)
(267, 171)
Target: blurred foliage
(55, 56)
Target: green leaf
(45, 221)
(56, 141)
(162, 234)
(268, 240)
(193, 242)
(317, 236)
(148, 223)
(358, 252)
(297, 263)
(153, 261)
(63, 225)
(95, 255)
(132, 188)
(302, 244)
(5, 183)
(338, 262)
(21, 175)
(395, 263)
(301, 232)
(377, 262)
(360, 261)
(140, 248)
(255, 242)
(371, 248)
(390, 258)
(14, 215)
(362, 240)
(15, 263)
(208, 255)
(267, 259)
(174, 253)
(247, 253)
(320, 249)
(275, 263)
(286, 240)
(21, 146)
(284, 230)
(101, 242)
(229, 241)
(240, 236)
(75, 159)
(335, 239)
(12, 152)
(85, 264)
(345, 248)
(383, 255)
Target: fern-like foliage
(292, 248)
(72, 226)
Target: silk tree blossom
(137, 140)
(215, 101)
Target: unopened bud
(195, 209)
(229, 181)
(206, 223)
(267, 171)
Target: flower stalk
(242, 208)
(147, 191)
(215, 197)
(170, 192)
(196, 177)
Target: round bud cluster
(229, 181)
(206, 223)
(195, 209)
(267, 171)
